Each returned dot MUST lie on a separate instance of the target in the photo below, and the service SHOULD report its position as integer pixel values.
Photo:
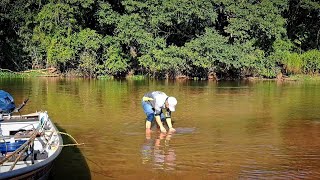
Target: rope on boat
(72, 144)
(25, 146)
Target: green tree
(54, 32)
(213, 53)
(107, 18)
(304, 23)
(16, 21)
(87, 43)
(260, 21)
(176, 21)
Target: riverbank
(50, 72)
(298, 77)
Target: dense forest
(222, 39)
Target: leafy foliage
(311, 60)
(193, 38)
(304, 23)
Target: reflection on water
(157, 153)
(225, 130)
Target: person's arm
(169, 122)
(158, 120)
(158, 111)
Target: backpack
(6, 102)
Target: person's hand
(163, 130)
(172, 130)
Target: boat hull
(41, 173)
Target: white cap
(172, 101)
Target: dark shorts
(149, 111)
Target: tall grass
(10, 74)
(4, 74)
(311, 61)
(293, 63)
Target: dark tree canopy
(163, 38)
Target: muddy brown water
(225, 130)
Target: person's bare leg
(148, 127)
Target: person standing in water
(153, 104)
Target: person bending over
(153, 104)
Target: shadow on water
(71, 163)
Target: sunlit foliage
(162, 38)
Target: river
(225, 130)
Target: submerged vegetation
(211, 39)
